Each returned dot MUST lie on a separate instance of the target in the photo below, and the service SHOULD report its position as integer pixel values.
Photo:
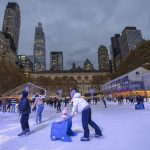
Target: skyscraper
(103, 59)
(129, 40)
(11, 23)
(6, 53)
(39, 49)
(56, 61)
(116, 51)
(88, 65)
(27, 65)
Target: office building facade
(116, 51)
(27, 65)
(6, 54)
(11, 23)
(56, 61)
(103, 59)
(130, 38)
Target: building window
(78, 78)
(86, 78)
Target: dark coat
(24, 105)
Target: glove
(72, 115)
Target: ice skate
(85, 139)
(27, 132)
(22, 133)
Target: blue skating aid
(62, 130)
(139, 106)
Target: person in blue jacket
(25, 110)
(81, 105)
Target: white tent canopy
(30, 87)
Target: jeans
(39, 113)
(86, 120)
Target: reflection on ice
(4, 138)
(9, 129)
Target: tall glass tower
(39, 49)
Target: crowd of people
(8, 105)
(11, 105)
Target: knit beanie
(72, 93)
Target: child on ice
(64, 115)
(61, 129)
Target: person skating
(39, 103)
(82, 105)
(66, 102)
(13, 105)
(4, 105)
(58, 106)
(104, 101)
(25, 110)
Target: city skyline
(78, 28)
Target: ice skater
(25, 110)
(58, 104)
(39, 104)
(83, 106)
(104, 101)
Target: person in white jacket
(81, 105)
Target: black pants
(86, 120)
(24, 121)
(58, 108)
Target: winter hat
(72, 93)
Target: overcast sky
(78, 27)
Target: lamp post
(59, 93)
(91, 90)
(143, 87)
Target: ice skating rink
(123, 128)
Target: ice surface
(123, 128)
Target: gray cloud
(78, 27)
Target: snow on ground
(123, 128)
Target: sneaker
(85, 139)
